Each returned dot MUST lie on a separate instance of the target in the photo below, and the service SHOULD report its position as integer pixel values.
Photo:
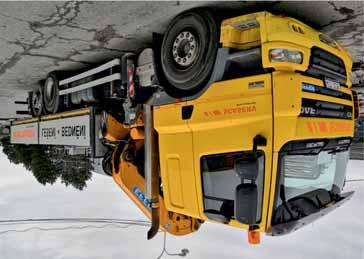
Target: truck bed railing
(89, 73)
(110, 64)
(100, 81)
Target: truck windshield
(308, 183)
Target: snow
(336, 236)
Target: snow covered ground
(339, 235)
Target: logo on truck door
(256, 84)
(244, 108)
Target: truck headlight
(285, 55)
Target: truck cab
(266, 151)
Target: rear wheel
(107, 163)
(188, 52)
(51, 94)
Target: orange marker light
(253, 237)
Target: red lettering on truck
(329, 127)
(24, 134)
(230, 111)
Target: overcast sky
(338, 235)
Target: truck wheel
(107, 163)
(51, 94)
(36, 103)
(188, 52)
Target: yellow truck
(246, 123)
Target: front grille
(311, 88)
(324, 64)
(323, 109)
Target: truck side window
(220, 182)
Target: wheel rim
(37, 103)
(103, 125)
(185, 48)
(49, 88)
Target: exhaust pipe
(151, 168)
(153, 231)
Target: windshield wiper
(285, 227)
(282, 195)
(300, 206)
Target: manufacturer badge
(257, 84)
(332, 84)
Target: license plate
(332, 84)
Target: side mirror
(247, 168)
(246, 203)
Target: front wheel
(188, 52)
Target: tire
(51, 94)
(188, 52)
(107, 163)
(36, 103)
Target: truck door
(176, 160)
(224, 122)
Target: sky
(338, 235)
